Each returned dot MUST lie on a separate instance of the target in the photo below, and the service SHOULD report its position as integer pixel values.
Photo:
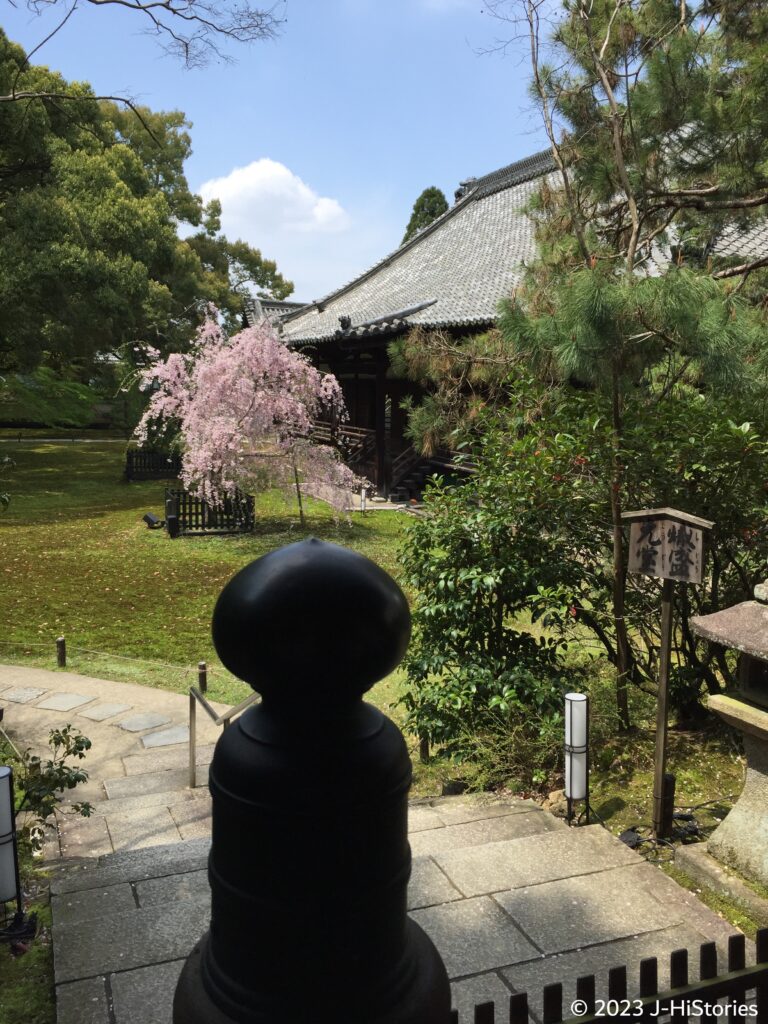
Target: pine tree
(657, 116)
(662, 145)
(428, 207)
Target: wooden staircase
(411, 471)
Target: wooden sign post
(669, 545)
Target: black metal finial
(311, 620)
(310, 860)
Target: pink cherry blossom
(244, 407)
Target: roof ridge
(505, 177)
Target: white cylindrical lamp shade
(576, 728)
(7, 845)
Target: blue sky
(319, 142)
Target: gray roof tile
(460, 266)
(467, 260)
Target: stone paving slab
(481, 988)
(163, 798)
(173, 780)
(100, 712)
(192, 818)
(143, 827)
(120, 942)
(143, 720)
(85, 837)
(476, 870)
(457, 810)
(422, 818)
(157, 862)
(598, 960)
(63, 701)
(93, 904)
(191, 885)
(487, 830)
(145, 995)
(577, 912)
(166, 737)
(22, 694)
(82, 1002)
(572, 925)
(474, 935)
(163, 760)
(428, 885)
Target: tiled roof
(256, 310)
(454, 272)
(744, 244)
(457, 269)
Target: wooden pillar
(383, 427)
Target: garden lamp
(576, 751)
(10, 887)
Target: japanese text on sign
(665, 548)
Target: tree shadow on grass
(609, 807)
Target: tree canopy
(241, 409)
(91, 198)
(428, 207)
(656, 115)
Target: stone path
(138, 763)
(512, 898)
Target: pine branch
(743, 268)
(532, 16)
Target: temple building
(450, 276)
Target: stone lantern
(742, 839)
(310, 861)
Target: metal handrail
(197, 696)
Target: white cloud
(315, 241)
(268, 196)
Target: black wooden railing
(683, 999)
(151, 465)
(356, 444)
(197, 517)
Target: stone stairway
(150, 805)
(138, 770)
(512, 898)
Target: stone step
(164, 798)
(133, 824)
(141, 784)
(165, 759)
(131, 866)
(494, 824)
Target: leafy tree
(89, 211)
(655, 111)
(474, 674)
(193, 30)
(243, 409)
(428, 207)
(524, 548)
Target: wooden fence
(197, 517)
(150, 465)
(683, 999)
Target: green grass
(724, 907)
(77, 560)
(26, 992)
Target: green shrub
(514, 569)
(40, 783)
